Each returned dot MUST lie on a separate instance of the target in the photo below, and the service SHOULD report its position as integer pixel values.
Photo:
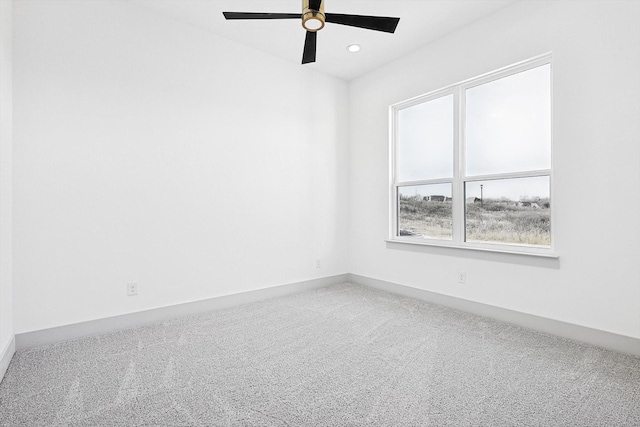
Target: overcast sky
(426, 140)
(508, 125)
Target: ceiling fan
(313, 19)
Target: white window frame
(459, 159)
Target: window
(471, 163)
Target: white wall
(150, 151)
(596, 122)
(6, 135)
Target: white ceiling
(421, 21)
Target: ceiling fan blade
(309, 54)
(252, 15)
(377, 23)
(315, 4)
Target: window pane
(425, 140)
(508, 123)
(424, 211)
(512, 211)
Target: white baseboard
(132, 320)
(6, 355)
(608, 340)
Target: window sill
(503, 255)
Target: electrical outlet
(462, 277)
(132, 289)
(317, 262)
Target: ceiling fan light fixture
(313, 15)
(312, 22)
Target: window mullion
(508, 175)
(425, 182)
(459, 162)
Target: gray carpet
(337, 356)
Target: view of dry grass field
(493, 221)
(424, 218)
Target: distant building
(436, 199)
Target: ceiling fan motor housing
(312, 19)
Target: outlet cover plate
(132, 289)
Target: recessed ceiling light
(353, 48)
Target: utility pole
(481, 196)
